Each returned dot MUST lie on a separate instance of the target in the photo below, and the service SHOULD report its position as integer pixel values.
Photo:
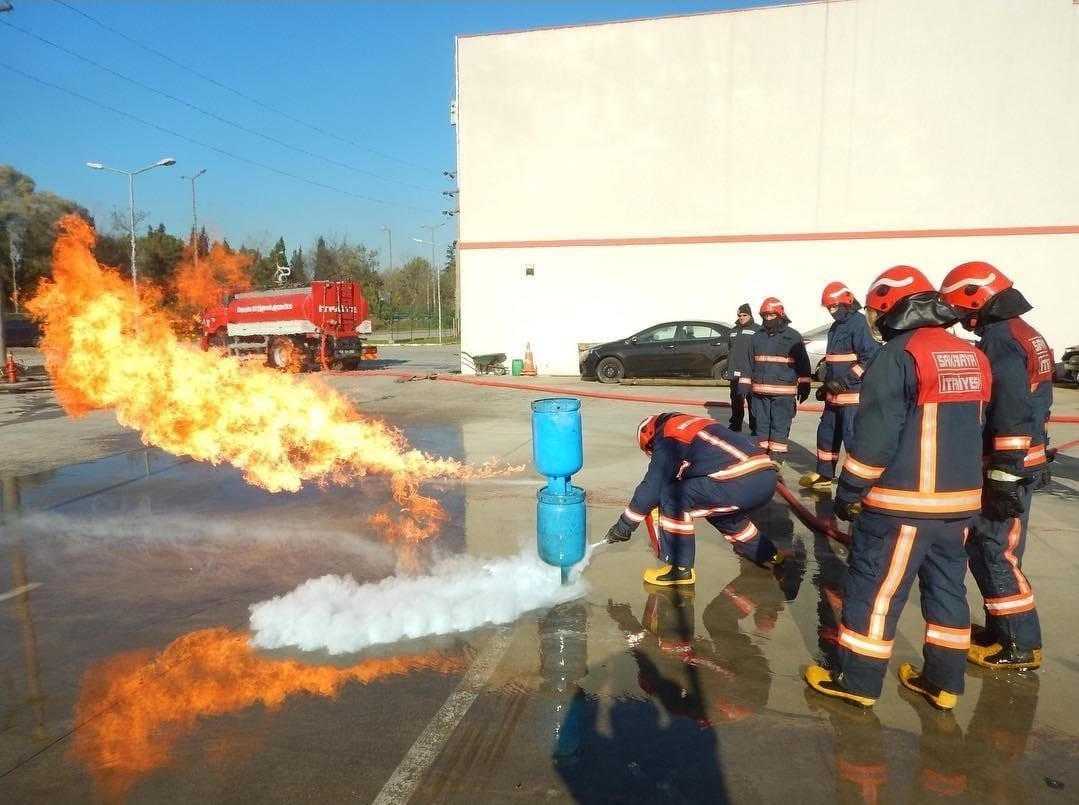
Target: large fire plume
(133, 708)
(106, 349)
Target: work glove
(1000, 496)
(819, 394)
(848, 502)
(618, 533)
(833, 386)
(803, 391)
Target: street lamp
(194, 217)
(161, 163)
(438, 277)
(389, 234)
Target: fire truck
(296, 329)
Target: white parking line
(406, 777)
(19, 590)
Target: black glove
(618, 533)
(1046, 479)
(819, 394)
(803, 391)
(1000, 499)
(848, 502)
(833, 386)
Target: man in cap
(739, 368)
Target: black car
(672, 349)
(20, 331)
(1068, 368)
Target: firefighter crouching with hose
(914, 471)
(698, 468)
(1014, 447)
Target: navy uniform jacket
(780, 362)
(692, 447)
(739, 359)
(922, 410)
(850, 350)
(1015, 435)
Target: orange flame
(106, 349)
(199, 286)
(133, 708)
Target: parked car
(20, 331)
(816, 344)
(1069, 365)
(689, 348)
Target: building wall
(613, 176)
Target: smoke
(458, 594)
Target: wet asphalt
(126, 672)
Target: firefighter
(739, 369)
(1014, 448)
(698, 468)
(850, 349)
(780, 373)
(912, 482)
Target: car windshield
(664, 332)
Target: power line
(212, 115)
(238, 93)
(201, 144)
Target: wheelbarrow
(491, 364)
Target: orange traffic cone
(529, 367)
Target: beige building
(617, 175)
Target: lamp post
(194, 216)
(438, 278)
(389, 234)
(161, 163)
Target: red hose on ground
(810, 521)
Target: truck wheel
(285, 355)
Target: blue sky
(309, 117)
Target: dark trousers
(995, 549)
(773, 416)
(887, 554)
(725, 504)
(836, 428)
(740, 402)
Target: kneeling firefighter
(698, 468)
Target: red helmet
(836, 293)
(895, 284)
(773, 305)
(646, 431)
(971, 285)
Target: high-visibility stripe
(711, 511)
(684, 526)
(745, 535)
(827, 455)
(1035, 455)
(866, 471)
(927, 449)
(774, 359)
(804, 379)
(1010, 605)
(904, 543)
(843, 398)
(723, 445)
(904, 500)
(948, 636)
(837, 357)
(779, 447)
(743, 468)
(774, 389)
(1011, 442)
(633, 516)
(1015, 535)
(858, 370)
(866, 646)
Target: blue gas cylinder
(560, 526)
(557, 449)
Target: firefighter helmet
(895, 284)
(646, 432)
(836, 293)
(970, 286)
(773, 305)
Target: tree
(157, 254)
(299, 267)
(27, 232)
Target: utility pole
(194, 216)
